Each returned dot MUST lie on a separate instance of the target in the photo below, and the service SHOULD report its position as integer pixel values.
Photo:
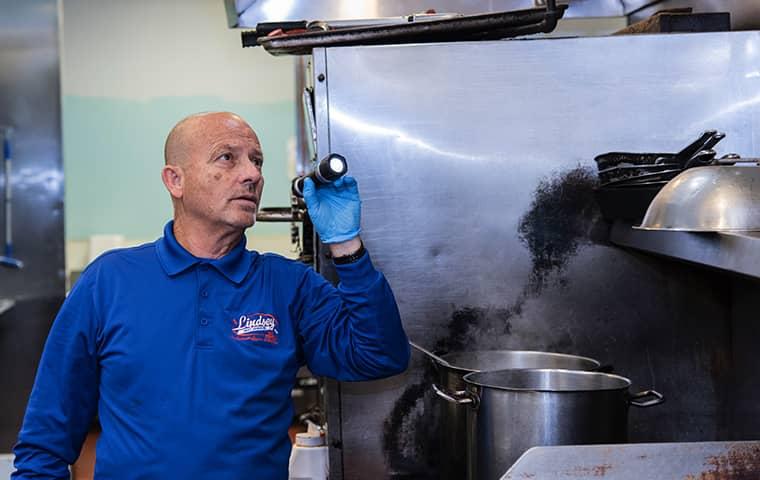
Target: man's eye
(258, 161)
(225, 156)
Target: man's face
(223, 181)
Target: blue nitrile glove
(334, 208)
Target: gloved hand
(334, 208)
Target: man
(188, 347)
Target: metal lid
(547, 380)
(480, 360)
(708, 199)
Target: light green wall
(129, 71)
(113, 153)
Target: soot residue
(460, 330)
(411, 431)
(470, 326)
(562, 216)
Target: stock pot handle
(460, 397)
(658, 399)
(606, 368)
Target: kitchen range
(512, 242)
(476, 163)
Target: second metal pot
(451, 383)
(511, 411)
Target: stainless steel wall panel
(30, 102)
(474, 162)
(744, 385)
(321, 98)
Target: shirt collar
(175, 259)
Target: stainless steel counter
(652, 461)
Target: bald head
(196, 131)
(213, 173)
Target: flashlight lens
(337, 165)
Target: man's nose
(251, 172)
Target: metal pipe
(278, 214)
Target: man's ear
(174, 179)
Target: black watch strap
(346, 259)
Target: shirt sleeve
(65, 393)
(353, 332)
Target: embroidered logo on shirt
(255, 327)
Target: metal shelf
(732, 252)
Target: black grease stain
(563, 216)
(459, 330)
(470, 324)
(411, 431)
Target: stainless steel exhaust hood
(247, 13)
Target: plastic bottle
(308, 459)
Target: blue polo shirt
(189, 362)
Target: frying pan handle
(461, 397)
(636, 402)
(700, 159)
(691, 149)
(714, 140)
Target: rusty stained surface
(595, 471)
(577, 472)
(740, 462)
(665, 461)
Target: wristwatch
(351, 258)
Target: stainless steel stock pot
(510, 411)
(450, 378)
